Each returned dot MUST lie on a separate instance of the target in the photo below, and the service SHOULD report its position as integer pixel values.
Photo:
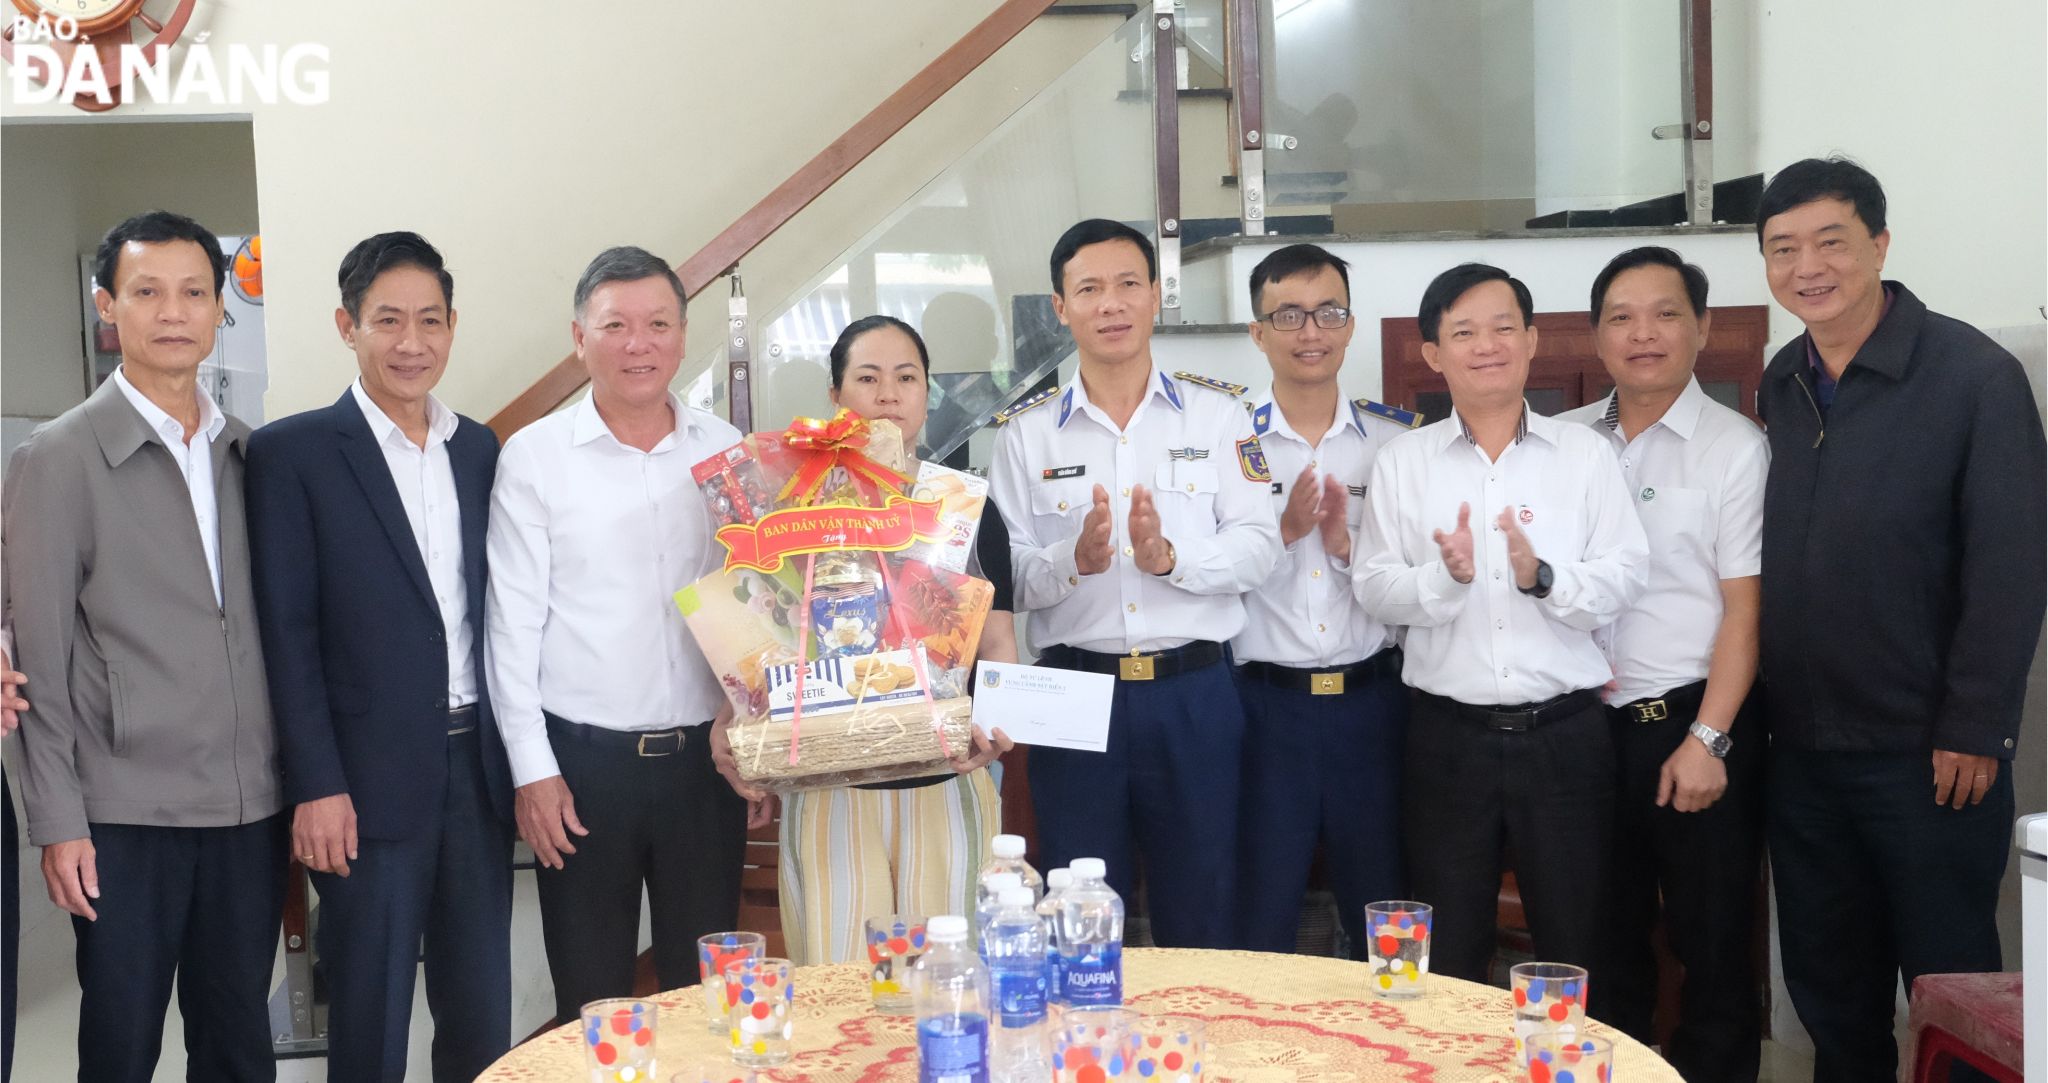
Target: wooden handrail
(806, 184)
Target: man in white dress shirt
(1325, 711)
(1684, 658)
(1139, 511)
(366, 527)
(601, 694)
(1502, 539)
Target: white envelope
(1033, 705)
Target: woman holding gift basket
(906, 845)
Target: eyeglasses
(1328, 317)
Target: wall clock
(104, 26)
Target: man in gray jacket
(150, 770)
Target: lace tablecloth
(1271, 1019)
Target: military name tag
(1057, 472)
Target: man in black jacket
(367, 522)
(1903, 590)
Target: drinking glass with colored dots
(1397, 947)
(1170, 1049)
(761, 1023)
(1095, 1045)
(894, 945)
(1554, 1058)
(714, 953)
(1550, 998)
(618, 1040)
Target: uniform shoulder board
(1211, 383)
(1407, 419)
(1032, 403)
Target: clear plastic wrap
(843, 643)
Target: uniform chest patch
(1251, 459)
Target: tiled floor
(47, 1020)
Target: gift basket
(842, 623)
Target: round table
(1271, 1019)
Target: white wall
(522, 140)
(1948, 105)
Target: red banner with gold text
(888, 529)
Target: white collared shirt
(1485, 642)
(589, 539)
(195, 462)
(1193, 447)
(426, 487)
(1697, 478)
(1305, 615)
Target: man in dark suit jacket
(367, 526)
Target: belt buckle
(1326, 684)
(1509, 721)
(1655, 710)
(1135, 667)
(641, 747)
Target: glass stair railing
(965, 260)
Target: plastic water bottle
(1091, 938)
(987, 896)
(1015, 947)
(1007, 855)
(1056, 881)
(950, 989)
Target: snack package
(961, 497)
(733, 487)
(843, 647)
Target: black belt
(1325, 682)
(461, 719)
(666, 742)
(1681, 702)
(1137, 665)
(1519, 717)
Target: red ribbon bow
(835, 443)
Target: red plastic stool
(1975, 1018)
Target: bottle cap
(1015, 896)
(947, 929)
(1007, 846)
(997, 881)
(1058, 879)
(1089, 868)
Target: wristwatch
(1544, 578)
(1172, 558)
(1717, 743)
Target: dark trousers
(449, 885)
(10, 925)
(1543, 801)
(1165, 792)
(1874, 880)
(1704, 866)
(668, 822)
(1319, 768)
(201, 904)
